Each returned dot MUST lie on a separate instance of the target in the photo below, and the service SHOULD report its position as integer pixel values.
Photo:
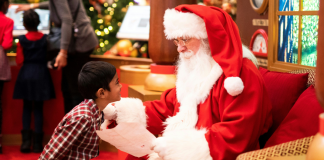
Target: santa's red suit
(216, 119)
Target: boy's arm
(64, 138)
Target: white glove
(110, 112)
(182, 145)
(159, 146)
(104, 125)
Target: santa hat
(201, 22)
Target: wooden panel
(16, 140)
(118, 61)
(12, 59)
(131, 75)
(297, 12)
(244, 19)
(319, 78)
(161, 50)
(138, 91)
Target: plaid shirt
(75, 136)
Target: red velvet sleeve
(7, 36)
(19, 55)
(159, 110)
(243, 118)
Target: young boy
(75, 136)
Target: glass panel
(288, 39)
(310, 5)
(309, 40)
(288, 5)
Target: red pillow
(283, 90)
(301, 121)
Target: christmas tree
(106, 18)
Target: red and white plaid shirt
(75, 136)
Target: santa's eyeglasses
(181, 42)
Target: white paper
(132, 138)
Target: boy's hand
(110, 112)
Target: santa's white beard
(191, 72)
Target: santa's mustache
(187, 54)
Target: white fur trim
(187, 117)
(249, 55)
(110, 112)
(185, 144)
(179, 24)
(208, 83)
(154, 156)
(130, 110)
(204, 88)
(234, 85)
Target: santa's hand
(110, 112)
(182, 145)
(159, 146)
(130, 110)
(104, 125)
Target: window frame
(273, 16)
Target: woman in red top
(34, 83)
(6, 27)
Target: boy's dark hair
(93, 76)
(31, 20)
(1, 3)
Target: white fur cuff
(130, 110)
(234, 85)
(185, 144)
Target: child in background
(75, 136)
(6, 27)
(34, 83)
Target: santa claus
(219, 107)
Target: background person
(34, 83)
(6, 27)
(61, 15)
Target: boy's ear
(100, 93)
